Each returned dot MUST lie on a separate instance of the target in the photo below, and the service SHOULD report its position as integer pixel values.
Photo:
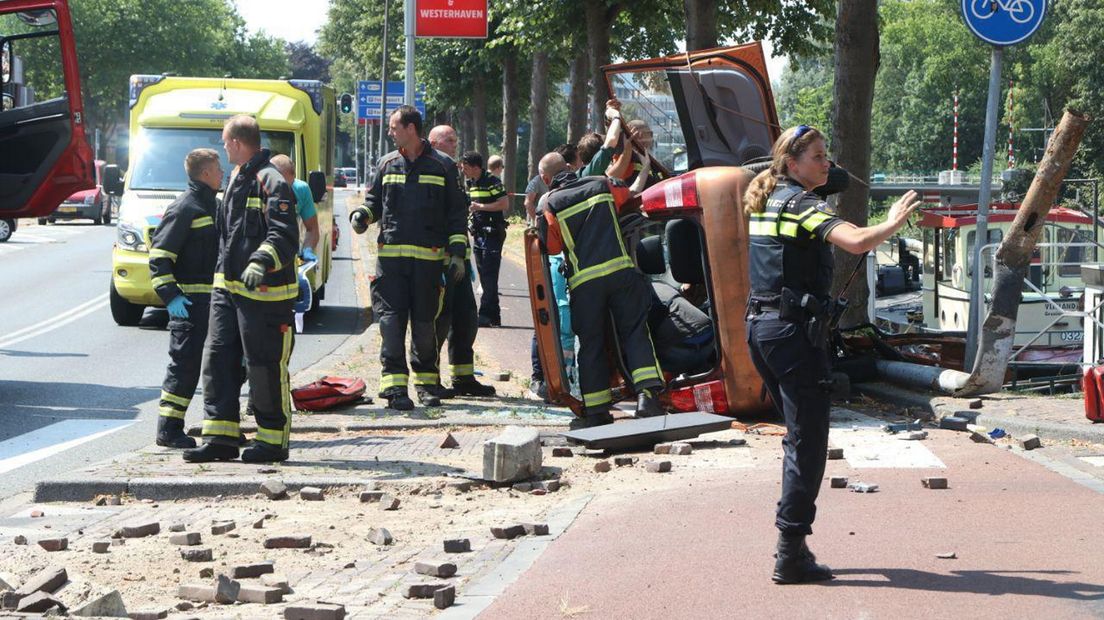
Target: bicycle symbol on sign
(1021, 11)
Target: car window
(159, 154)
(647, 96)
(31, 59)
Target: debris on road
(953, 423)
(947, 556)
(507, 532)
(274, 489)
(835, 454)
(457, 545)
(658, 467)
(934, 482)
(287, 542)
(222, 527)
(914, 436)
(562, 452)
(602, 467)
(838, 482)
(863, 487)
(513, 455)
(443, 598)
(311, 494)
(443, 570)
(54, 544)
(1030, 442)
(314, 611)
(449, 442)
(380, 536)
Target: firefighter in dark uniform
(580, 218)
(183, 252)
(255, 288)
(790, 260)
(418, 201)
(488, 230)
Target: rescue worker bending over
(183, 253)
(252, 304)
(581, 220)
(488, 229)
(417, 199)
(791, 236)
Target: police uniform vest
(586, 214)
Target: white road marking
(866, 445)
(23, 239)
(55, 322)
(53, 439)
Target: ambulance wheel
(125, 313)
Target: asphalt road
(76, 388)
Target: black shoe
(427, 397)
(260, 452)
(647, 405)
(399, 402)
(794, 562)
(210, 452)
(468, 386)
(590, 421)
(439, 391)
(170, 434)
(488, 322)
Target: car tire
(125, 313)
(7, 227)
(51, 220)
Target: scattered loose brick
(737, 442)
(863, 487)
(933, 482)
(389, 502)
(380, 536)
(562, 452)
(280, 582)
(681, 449)
(54, 544)
(311, 494)
(267, 470)
(444, 598)
(422, 590)
(954, 423)
(251, 571)
(838, 482)
(835, 454)
(224, 591)
(444, 570)
(976, 403)
(625, 461)
(914, 436)
(206, 573)
(663, 448)
(260, 594)
(36, 514)
(536, 529)
(462, 486)
(259, 524)
(457, 545)
(1030, 442)
(274, 489)
(371, 496)
(45, 580)
(197, 555)
(187, 539)
(502, 375)
(287, 542)
(950, 555)
(602, 467)
(141, 530)
(658, 467)
(177, 527)
(20, 539)
(222, 527)
(449, 442)
(149, 614)
(507, 532)
(101, 546)
(37, 603)
(550, 486)
(316, 611)
(184, 606)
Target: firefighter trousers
(624, 297)
(186, 338)
(408, 290)
(796, 375)
(261, 333)
(459, 323)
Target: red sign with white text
(452, 19)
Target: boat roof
(999, 212)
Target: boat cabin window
(996, 235)
(929, 250)
(1069, 258)
(948, 253)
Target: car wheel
(51, 220)
(125, 313)
(7, 227)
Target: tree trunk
(701, 24)
(509, 121)
(577, 100)
(538, 112)
(1014, 256)
(856, 68)
(599, 18)
(467, 131)
(479, 120)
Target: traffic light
(346, 103)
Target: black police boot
(399, 401)
(170, 433)
(794, 562)
(468, 386)
(210, 452)
(261, 452)
(647, 405)
(591, 420)
(426, 396)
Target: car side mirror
(112, 180)
(317, 183)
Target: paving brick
(536, 529)
(681, 449)
(148, 614)
(625, 461)
(203, 554)
(507, 532)
(449, 442)
(602, 467)
(259, 524)
(380, 536)
(422, 590)
(933, 482)
(389, 502)
(444, 570)
(662, 448)
(54, 544)
(838, 482)
(222, 527)
(311, 494)
(141, 530)
(187, 538)
(38, 603)
(740, 441)
(273, 580)
(177, 527)
(462, 486)
(976, 403)
(317, 611)
(863, 487)
(45, 580)
(207, 573)
(251, 571)
(457, 545)
(287, 542)
(953, 423)
(547, 485)
(658, 467)
(980, 436)
(1030, 442)
(835, 454)
(444, 598)
(274, 489)
(502, 375)
(515, 454)
(371, 496)
(101, 546)
(562, 452)
(523, 487)
(224, 591)
(913, 436)
(260, 594)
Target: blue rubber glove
(178, 307)
(308, 255)
(253, 275)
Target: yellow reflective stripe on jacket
(159, 253)
(426, 378)
(411, 251)
(195, 288)
(431, 179)
(391, 381)
(584, 205)
(163, 280)
(253, 202)
(223, 428)
(462, 370)
(601, 397)
(174, 399)
(205, 221)
(261, 293)
(461, 238)
(394, 178)
(600, 270)
(271, 251)
(269, 436)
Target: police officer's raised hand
(178, 307)
(901, 210)
(455, 268)
(253, 275)
(359, 220)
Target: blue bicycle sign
(1003, 22)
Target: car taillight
(708, 397)
(678, 193)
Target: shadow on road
(973, 582)
(335, 320)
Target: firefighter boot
(209, 452)
(591, 420)
(427, 396)
(647, 405)
(170, 433)
(439, 391)
(261, 452)
(794, 562)
(399, 401)
(468, 386)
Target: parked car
(90, 204)
(7, 227)
(339, 178)
(350, 175)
